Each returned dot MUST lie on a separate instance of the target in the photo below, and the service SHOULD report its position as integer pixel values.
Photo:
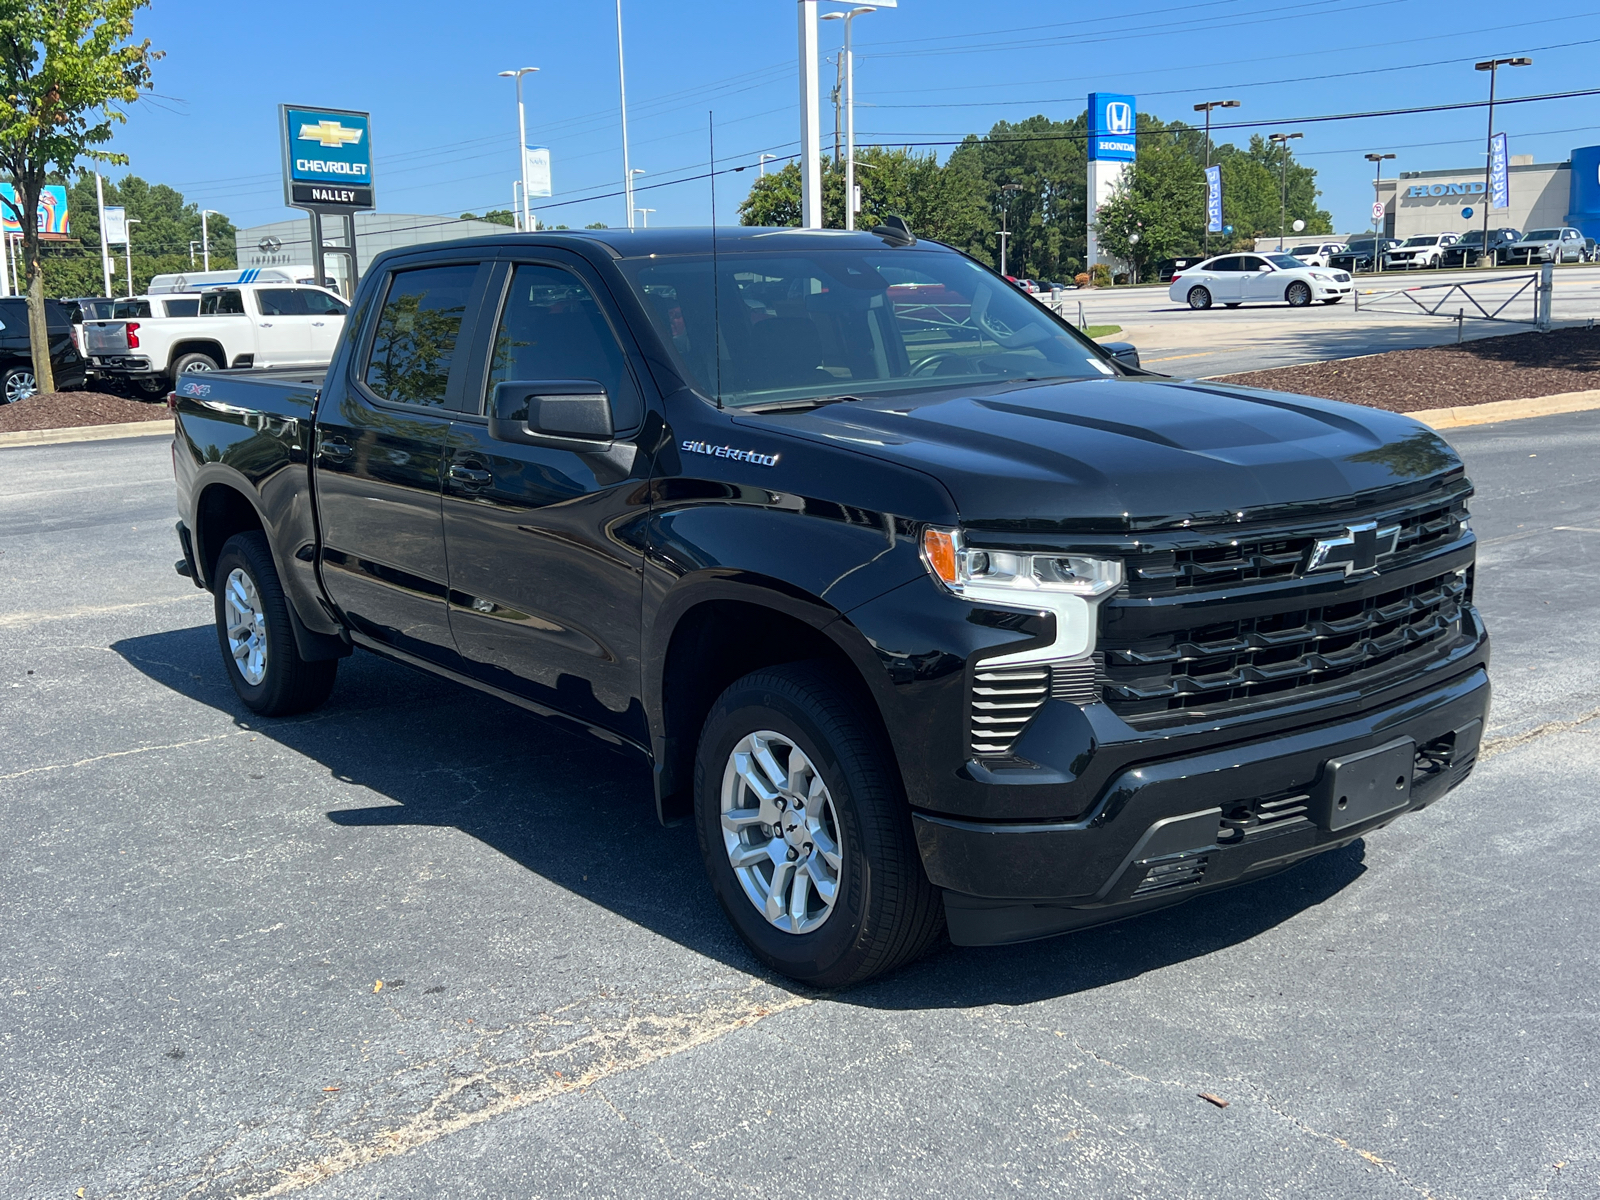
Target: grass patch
(1100, 331)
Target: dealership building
(1543, 196)
(288, 243)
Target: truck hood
(1131, 453)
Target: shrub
(1100, 275)
(1081, 279)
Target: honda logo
(1119, 117)
(1357, 550)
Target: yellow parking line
(1175, 357)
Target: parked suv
(1424, 250)
(17, 381)
(1316, 254)
(1468, 252)
(1358, 255)
(1547, 245)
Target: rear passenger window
(280, 302)
(222, 304)
(415, 340)
(320, 304)
(553, 328)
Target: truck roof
(638, 243)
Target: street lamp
(1005, 187)
(132, 221)
(622, 92)
(522, 139)
(1206, 108)
(644, 214)
(1283, 140)
(764, 159)
(1377, 212)
(849, 111)
(205, 237)
(192, 245)
(1492, 66)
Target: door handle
(266, 324)
(317, 324)
(328, 448)
(472, 476)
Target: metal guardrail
(1535, 287)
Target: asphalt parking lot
(1176, 341)
(418, 944)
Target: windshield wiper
(797, 405)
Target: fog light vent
(1170, 876)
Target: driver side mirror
(1124, 352)
(565, 414)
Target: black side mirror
(567, 414)
(1124, 352)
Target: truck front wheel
(256, 636)
(805, 831)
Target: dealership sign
(327, 158)
(1420, 190)
(1499, 177)
(1111, 127)
(1213, 199)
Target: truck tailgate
(105, 337)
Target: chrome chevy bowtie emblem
(1357, 550)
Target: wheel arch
(220, 512)
(714, 629)
(197, 346)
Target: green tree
(1252, 182)
(65, 67)
(495, 216)
(1161, 199)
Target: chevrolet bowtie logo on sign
(330, 133)
(327, 158)
(1357, 550)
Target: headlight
(964, 570)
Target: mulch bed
(69, 410)
(1517, 366)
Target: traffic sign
(1377, 211)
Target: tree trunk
(38, 325)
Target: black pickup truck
(928, 611)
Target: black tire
(1199, 298)
(151, 385)
(1333, 299)
(886, 912)
(194, 361)
(1298, 294)
(17, 384)
(289, 684)
(1232, 303)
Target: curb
(1508, 410)
(85, 433)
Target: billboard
(538, 167)
(1499, 176)
(1111, 127)
(327, 158)
(52, 211)
(114, 224)
(1213, 199)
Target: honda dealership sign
(1113, 123)
(327, 158)
(1213, 199)
(1499, 176)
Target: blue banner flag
(1499, 175)
(1213, 199)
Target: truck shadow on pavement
(582, 817)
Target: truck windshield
(810, 324)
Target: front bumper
(1164, 831)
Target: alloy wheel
(247, 626)
(781, 832)
(19, 386)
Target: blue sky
(444, 125)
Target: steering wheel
(934, 361)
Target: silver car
(1546, 245)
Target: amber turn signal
(939, 546)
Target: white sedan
(1235, 279)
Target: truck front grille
(1231, 664)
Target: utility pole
(205, 236)
(1206, 108)
(192, 245)
(838, 100)
(1492, 66)
(848, 58)
(132, 221)
(522, 141)
(1005, 190)
(622, 88)
(1283, 140)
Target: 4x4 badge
(1357, 550)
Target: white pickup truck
(247, 325)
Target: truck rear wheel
(805, 831)
(194, 361)
(18, 384)
(256, 636)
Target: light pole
(849, 111)
(764, 159)
(1206, 108)
(1492, 66)
(1283, 140)
(1377, 212)
(132, 221)
(622, 91)
(644, 217)
(631, 173)
(205, 236)
(1005, 188)
(192, 245)
(522, 139)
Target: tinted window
(1543, 235)
(1299, 250)
(1249, 262)
(124, 309)
(414, 342)
(222, 304)
(320, 304)
(1284, 261)
(281, 302)
(1232, 263)
(552, 328)
(184, 308)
